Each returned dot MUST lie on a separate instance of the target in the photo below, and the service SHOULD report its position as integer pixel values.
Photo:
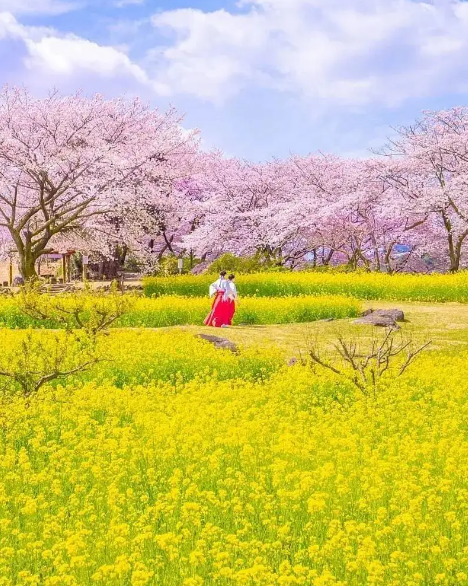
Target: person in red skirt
(230, 298)
(218, 315)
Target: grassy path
(446, 324)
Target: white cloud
(214, 54)
(331, 53)
(68, 55)
(347, 52)
(48, 53)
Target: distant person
(217, 316)
(230, 298)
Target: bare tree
(364, 368)
(44, 356)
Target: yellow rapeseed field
(362, 285)
(176, 310)
(228, 481)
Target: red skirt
(230, 311)
(220, 312)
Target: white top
(231, 291)
(219, 285)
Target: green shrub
(243, 265)
(169, 265)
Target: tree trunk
(455, 256)
(279, 261)
(454, 246)
(454, 264)
(28, 253)
(326, 260)
(123, 255)
(113, 268)
(27, 266)
(376, 253)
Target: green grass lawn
(445, 324)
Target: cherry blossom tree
(406, 211)
(429, 168)
(113, 178)
(251, 209)
(72, 164)
(235, 194)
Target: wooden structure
(8, 272)
(49, 265)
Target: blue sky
(259, 78)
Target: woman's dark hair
(231, 277)
(222, 273)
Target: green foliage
(168, 265)
(243, 265)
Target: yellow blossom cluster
(237, 481)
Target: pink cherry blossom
(74, 167)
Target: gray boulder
(395, 314)
(384, 318)
(378, 321)
(367, 312)
(220, 343)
